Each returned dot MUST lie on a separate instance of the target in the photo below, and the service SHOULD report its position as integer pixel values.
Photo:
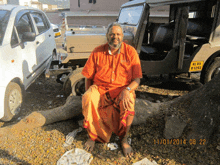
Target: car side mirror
(28, 36)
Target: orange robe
(102, 116)
(110, 75)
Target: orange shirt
(112, 73)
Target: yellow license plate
(196, 66)
(57, 34)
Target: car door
(25, 52)
(44, 38)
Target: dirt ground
(45, 145)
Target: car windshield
(130, 15)
(4, 17)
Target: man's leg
(90, 100)
(127, 150)
(96, 114)
(126, 125)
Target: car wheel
(212, 71)
(13, 101)
(75, 83)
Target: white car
(56, 30)
(26, 49)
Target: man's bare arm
(134, 84)
(88, 83)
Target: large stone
(173, 127)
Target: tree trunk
(199, 111)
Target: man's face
(115, 37)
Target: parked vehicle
(56, 30)
(25, 51)
(186, 43)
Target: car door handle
(49, 35)
(37, 42)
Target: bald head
(113, 24)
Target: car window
(41, 22)
(4, 17)
(24, 25)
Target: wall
(14, 2)
(102, 21)
(3, 1)
(100, 5)
(25, 2)
(54, 17)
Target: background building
(42, 5)
(83, 12)
(3, 1)
(93, 12)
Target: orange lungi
(102, 115)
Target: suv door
(134, 19)
(44, 38)
(215, 35)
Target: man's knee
(91, 94)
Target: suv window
(24, 25)
(41, 23)
(130, 15)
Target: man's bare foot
(89, 145)
(127, 150)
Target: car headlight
(56, 30)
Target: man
(112, 74)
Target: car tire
(13, 101)
(212, 71)
(78, 83)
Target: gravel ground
(44, 145)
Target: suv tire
(212, 71)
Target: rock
(173, 127)
(49, 102)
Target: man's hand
(126, 99)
